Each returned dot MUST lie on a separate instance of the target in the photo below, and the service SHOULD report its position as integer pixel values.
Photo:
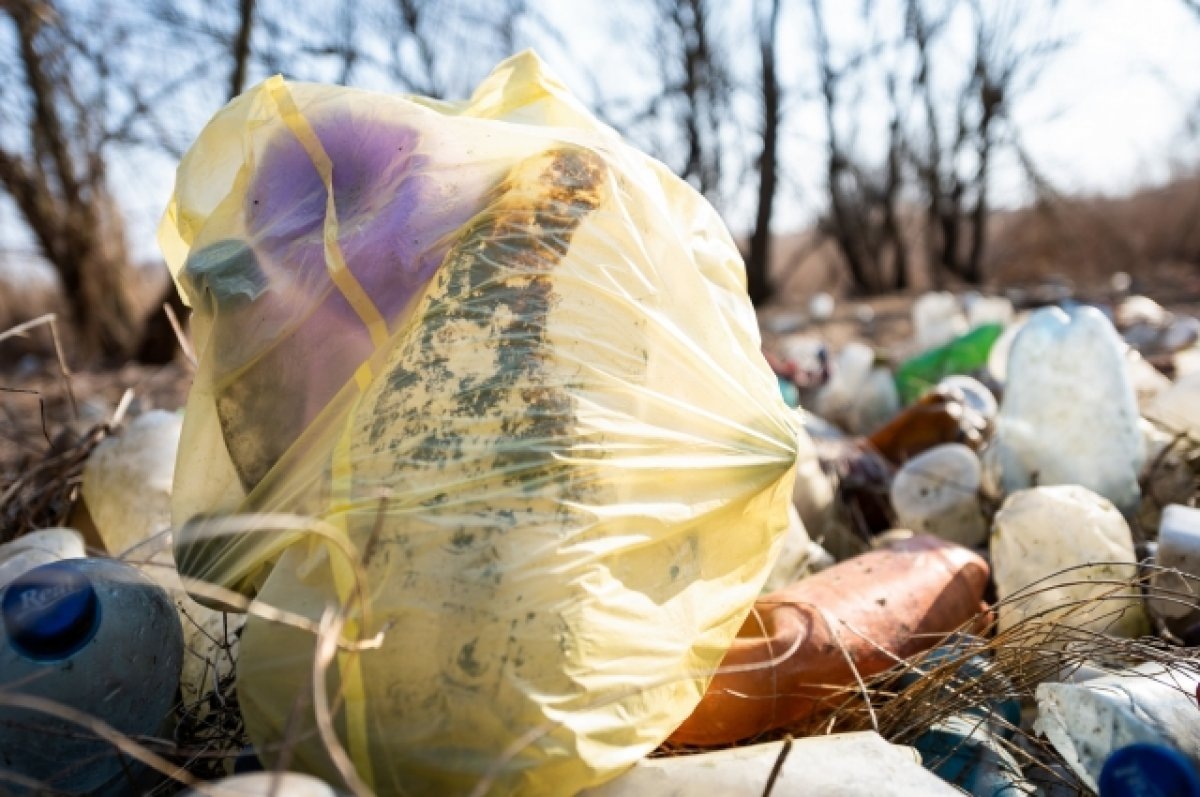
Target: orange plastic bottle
(791, 658)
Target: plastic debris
(1069, 414)
(127, 486)
(937, 319)
(1175, 581)
(1148, 770)
(802, 646)
(267, 784)
(1066, 554)
(937, 492)
(966, 354)
(800, 557)
(97, 639)
(531, 435)
(38, 548)
(844, 764)
(969, 748)
(1088, 722)
(943, 415)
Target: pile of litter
(512, 498)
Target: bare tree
(241, 47)
(758, 260)
(863, 213)
(955, 163)
(58, 178)
(682, 120)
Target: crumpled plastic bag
(507, 366)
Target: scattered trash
(937, 492)
(1068, 415)
(839, 399)
(966, 354)
(821, 307)
(943, 415)
(986, 310)
(969, 748)
(799, 558)
(803, 647)
(266, 784)
(38, 548)
(523, 496)
(836, 764)
(1065, 552)
(937, 319)
(1091, 721)
(1176, 577)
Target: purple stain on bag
(392, 218)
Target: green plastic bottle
(964, 355)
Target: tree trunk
(758, 264)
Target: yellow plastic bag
(508, 366)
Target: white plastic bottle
(266, 784)
(937, 492)
(846, 764)
(37, 548)
(98, 638)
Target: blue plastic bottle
(98, 637)
(1148, 770)
(968, 748)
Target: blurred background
(859, 147)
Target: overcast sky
(1110, 112)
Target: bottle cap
(1148, 769)
(51, 611)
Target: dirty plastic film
(506, 367)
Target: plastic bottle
(876, 402)
(989, 310)
(968, 748)
(800, 556)
(38, 548)
(1148, 769)
(851, 368)
(965, 354)
(792, 657)
(1177, 409)
(816, 765)
(937, 319)
(1069, 413)
(127, 480)
(937, 492)
(976, 394)
(939, 417)
(97, 636)
(1062, 551)
(127, 485)
(266, 784)
(1150, 703)
(1175, 583)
